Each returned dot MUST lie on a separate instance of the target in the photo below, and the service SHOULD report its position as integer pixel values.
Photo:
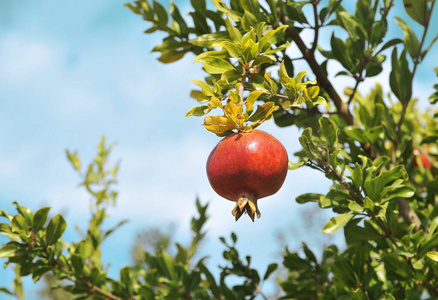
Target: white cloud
(23, 57)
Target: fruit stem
(246, 205)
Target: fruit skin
(427, 164)
(247, 166)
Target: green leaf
(265, 41)
(251, 6)
(235, 15)
(427, 245)
(310, 197)
(411, 41)
(339, 49)
(294, 166)
(19, 224)
(9, 250)
(233, 48)
(161, 12)
(25, 212)
(374, 66)
(424, 53)
(214, 65)
(176, 15)
(328, 131)
(252, 97)
(271, 268)
(287, 81)
(199, 4)
(368, 204)
(210, 40)
(169, 265)
(263, 112)
(337, 223)
(299, 77)
(234, 33)
(182, 255)
(355, 207)
(55, 229)
(206, 89)
(74, 159)
(6, 291)
(218, 124)
(6, 230)
(399, 78)
(433, 255)
(374, 187)
(198, 111)
(356, 133)
(170, 56)
(401, 192)
(354, 233)
(397, 265)
(263, 59)
(40, 218)
(36, 275)
(78, 263)
(389, 44)
(416, 10)
(295, 13)
(248, 21)
(357, 176)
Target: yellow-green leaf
(198, 111)
(263, 112)
(313, 91)
(218, 124)
(210, 40)
(235, 34)
(433, 255)
(214, 65)
(206, 89)
(337, 223)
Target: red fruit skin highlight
(247, 164)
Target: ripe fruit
(423, 158)
(245, 167)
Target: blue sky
(73, 71)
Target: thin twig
(316, 29)
(242, 83)
(358, 81)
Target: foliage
(385, 199)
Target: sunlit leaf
(337, 223)
(210, 40)
(218, 124)
(411, 41)
(433, 255)
(214, 65)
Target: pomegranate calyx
(246, 205)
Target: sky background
(73, 71)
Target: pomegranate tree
(245, 167)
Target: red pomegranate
(245, 167)
(425, 159)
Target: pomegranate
(245, 167)
(423, 159)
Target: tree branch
(316, 29)
(408, 214)
(321, 77)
